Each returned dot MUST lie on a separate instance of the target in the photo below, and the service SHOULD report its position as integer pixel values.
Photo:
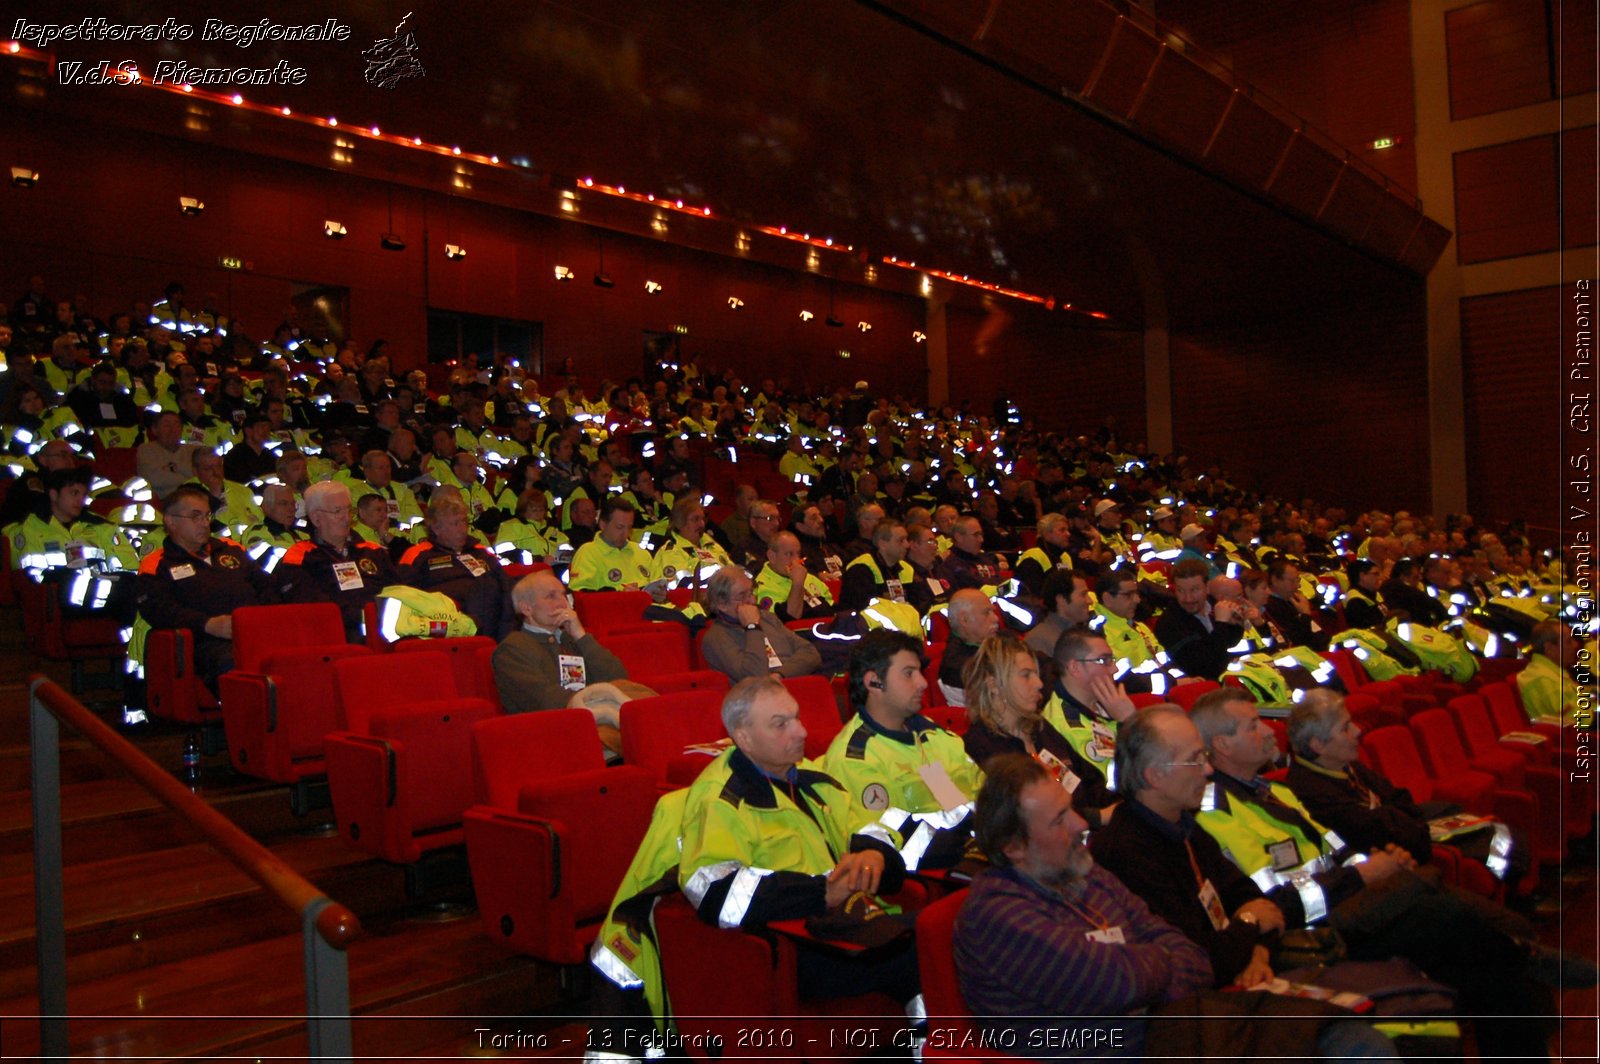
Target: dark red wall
(1506, 200)
(1345, 67)
(1511, 351)
(1065, 377)
(103, 221)
(1331, 404)
(1499, 53)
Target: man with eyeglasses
(1159, 853)
(1378, 902)
(1132, 642)
(1087, 706)
(334, 565)
(195, 581)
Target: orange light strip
(374, 133)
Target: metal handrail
(327, 927)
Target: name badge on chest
(571, 671)
(348, 575)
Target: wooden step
(254, 996)
(116, 817)
(147, 909)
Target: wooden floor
(173, 954)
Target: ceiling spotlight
(190, 206)
(864, 326)
(391, 242)
(603, 280)
(652, 287)
(334, 230)
(563, 273)
(918, 336)
(806, 315)
(735, 303)
(834, 323)
(455, 252)
(22, 177)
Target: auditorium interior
(1343, 252)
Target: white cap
(1191, 532)
(1103, 505)
(1161, 514)
(861, 386)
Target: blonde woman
(1003, 688)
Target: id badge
(1213, 906)
(570, 669)
(944, 789)
(833, 565)
(472, 565)
(348, 575)
(182, 572)
(1111, 936)
(773, 661)
(894, 590)
(1103, 745)
(394, 508)
(1285, 855)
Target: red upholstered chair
(1505, 709)
(1565, 808)
(941, 987)
(553, 831)
(692, 680)
(172, 690)
(650, 649)
(755, 978)
(462, 652)
(1187, 694)
(278, 702)
(399, 770)
(655, 732)
(483, 676)
(1393, 752)
(606, 611)
(818, 711)
(1367, 711)
(1348, 666)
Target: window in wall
(452, 336)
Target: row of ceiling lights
(133, 77)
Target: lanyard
(1088, 912)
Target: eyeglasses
(1205, 759)
(1104, 659)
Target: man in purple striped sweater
(1054, 952)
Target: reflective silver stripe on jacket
(741, 892)
(1498, 860)
(612, 967)
(703, 877)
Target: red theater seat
(656, 731)
(278, 702)
(172, 690)
(553, 831)
(606, 611)
(401, 770)
(461, 652)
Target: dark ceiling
(832, 117)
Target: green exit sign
(1382, 143)
(229, 262)
(681, 330)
